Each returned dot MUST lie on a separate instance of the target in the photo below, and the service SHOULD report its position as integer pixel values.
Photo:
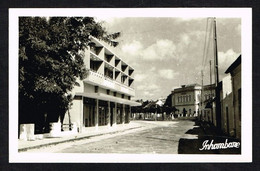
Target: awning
(105, 97)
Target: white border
(246, 17)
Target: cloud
(188, 18)
(168, 73)
(106, 20)
(152, 69)
(140, 77)
(148, 87)
(160, 50)
(185, 39)
(227, 58)
(148, 94)
(133, 48)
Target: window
(96, 89)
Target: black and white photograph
(130, 85)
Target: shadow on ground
(205, 132)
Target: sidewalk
(87, 133)
(206, 132)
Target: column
(115, 115)
(123, 114)
(128, 114)
(81, 115)
(108, 114)
(96, 114)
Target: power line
(208, 44)
(203, 56)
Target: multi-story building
(192, 100)
(104, 96)
(187, 99)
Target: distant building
(104, 97)
(187, 99)
(207, 96)
(193, 100)
(208, 92)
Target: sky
(169, 52)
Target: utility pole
(217, 88)
(201, 95)
(211, 95)
(210, 75)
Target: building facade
(227, 109)
(187, 99)
(193, 100)
(207, 95)
(104, 96)
(208, 92)
(230, 101)
(235, 71)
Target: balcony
(105, 82)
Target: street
(149, 137)
(159, 137)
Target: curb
(73, 139)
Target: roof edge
(233, 65)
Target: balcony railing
(106, 82)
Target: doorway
(227, 118)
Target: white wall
(76, 113)
(226, 86)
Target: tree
(50, 61)
(168, 101)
